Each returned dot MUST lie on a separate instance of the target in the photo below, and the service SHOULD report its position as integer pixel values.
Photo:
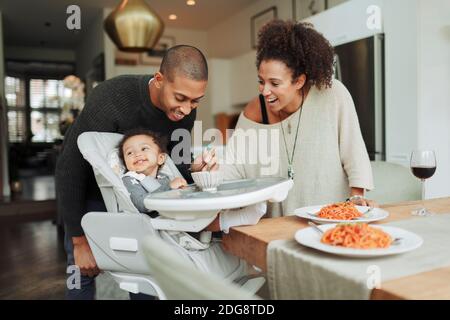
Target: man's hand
(178, 183)
(207, 161)
(83, 256)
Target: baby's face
(141, 154)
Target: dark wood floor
(36, 201)
(32, 261)
(34, 188)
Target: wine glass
(423, 166)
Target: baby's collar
(135, 175)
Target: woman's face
(277, 86)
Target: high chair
(197, 286)
(116, 237)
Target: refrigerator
(359, 65)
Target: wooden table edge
(241, 237)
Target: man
(161, 104)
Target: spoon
(208, 148)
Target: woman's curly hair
(300, 47)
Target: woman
(319, 143)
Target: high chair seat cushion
(115, 163)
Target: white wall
(190, 37)
(90, 47)
(401, 85)
(434, 90)
(244, 78)
(234, 75)
(417, 75)
(333, 3)
(417, 69)
(39, 54)
(182, 36)
(232, 37)
(219, 85)
(231, 40)
(346, 22)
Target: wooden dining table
(250, 243)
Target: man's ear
(161, 159)
(300, 82)
(158, 78)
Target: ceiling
(24, 20)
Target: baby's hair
(158, 139)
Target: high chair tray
(192, 203)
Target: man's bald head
(185, 61)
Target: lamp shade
(133, 26)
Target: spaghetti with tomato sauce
(357, 236)
(339, 211)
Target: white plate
(310, 237)
(375, 215)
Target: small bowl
(208, 180)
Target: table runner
(298, 272)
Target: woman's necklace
(290, 159)
(289, 123)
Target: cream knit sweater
(330, 155)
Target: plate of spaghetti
(341, 212)
(359, 239)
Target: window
(15, 99)
(40, 119)
(47, 98)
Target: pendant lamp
(133, 26)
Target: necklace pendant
(289, 128)
(290, 172)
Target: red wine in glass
(423, 172)
(423, 166)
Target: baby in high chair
(143, 153)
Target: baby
(143, 153)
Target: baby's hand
(178, 183)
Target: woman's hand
(361, 201)
(207, 161)
(366, 202)
(178, 183)
(357, 197)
